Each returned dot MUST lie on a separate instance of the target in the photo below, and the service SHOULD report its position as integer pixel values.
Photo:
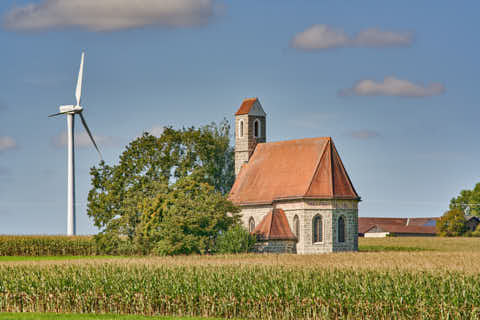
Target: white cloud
(109, 15)
(82, 140)
(392, 86)
(364, 134)
(6, 143)
(321, 36)
(374, 37)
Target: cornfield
(251, 292)
(47, 246)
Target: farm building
(407, 227)
(295, 195)
(471, 222)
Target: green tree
(452, 223)
(128, 200)
(470, 198)
(236, 240)
(194, 214)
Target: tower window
(296, 227)
(240, 128)
(251, 224)
(256, 128)
(341, 229)
(317, 229)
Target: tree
(236, 240)
(452, 223)
(128, 201)
(194, 214)
(469, 198)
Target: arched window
(317, 229)
(341, 229)
(240, 128)
(256, 128)
(251, 224)
(296, 227)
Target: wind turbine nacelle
(70, 109)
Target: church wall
(305, 215)
(351, 230)
(256, 211)
(306, 210)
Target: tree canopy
(452, 223)
(167, 194)
(470, 198)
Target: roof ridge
(345, 173)
(319, 160)
(332, 168)
(271, 222)
(299, 139)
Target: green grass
(439, 244)
(54, 316)
(51, 258)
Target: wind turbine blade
(90, 134)
(57, 114)
(78, 92)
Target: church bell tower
(250, 129)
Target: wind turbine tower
(71, 111)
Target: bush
(235, 240)
(476, 233)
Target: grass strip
(56, 316)
(384, 248)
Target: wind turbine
(71, 111)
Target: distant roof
(246, 106)
(305, 168)
(394, 228)
(274, 226)
(398, 225)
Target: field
(53, 316)
(407, 278)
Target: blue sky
(394, 83)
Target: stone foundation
(275, 246)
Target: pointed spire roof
(274, 226)
(251, 106)
(305, 168)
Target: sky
(394, 83)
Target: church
(294, 195)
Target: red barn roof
(274, 226)
(305, 168)
(398, 225)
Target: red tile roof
(305, 168)
(274, 226)
(393, 228)
(397, 225)
(246, 106)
